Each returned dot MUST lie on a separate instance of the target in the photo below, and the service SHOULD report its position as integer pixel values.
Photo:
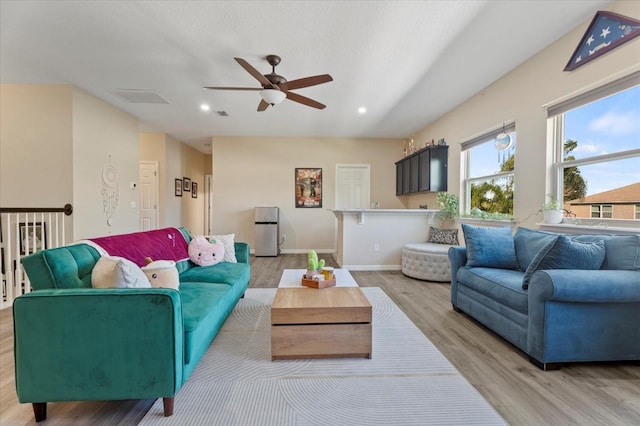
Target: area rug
(406, 382)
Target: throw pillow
(229, 247)
(117, 272)
(443, 236)
(162, 273)
(206, 252)
(566, 253)
(528, 243)
(491, 247)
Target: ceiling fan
(275, 88)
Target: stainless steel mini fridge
(266, 237)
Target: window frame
(465, 157)
(555, 115)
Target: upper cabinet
(423, 171)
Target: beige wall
(55, 141)
(36, 138)
(250, 172)
(103, 135)
(177, 160)
(194, 165)
(520, 96)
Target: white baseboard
(301, 251)
(305, 251)
(372, 267)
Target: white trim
(629, 76)
(487, 135)
(570, 228)
(303, 251)
(372, 267)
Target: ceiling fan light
(272, 96)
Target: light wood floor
(578, 394)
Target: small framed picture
(186, 184)
(33, 237)
(194, 190)
(178, 187)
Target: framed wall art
(607, 31)
(194, 190)
(186, 184)
(308, 187)
(178, 190)
(33, 237)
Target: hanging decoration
(503, 143)
(110, 193)
(606, 32)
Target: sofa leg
(40, 411)
(546, 366)
(168, 406)
(242, 297)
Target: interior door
(149, 214)
(353, 186)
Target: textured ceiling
(407, 62)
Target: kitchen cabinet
(423, 171)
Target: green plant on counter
(447, 204)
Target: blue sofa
(78, 343)
(591, 313)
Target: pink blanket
(158, 244)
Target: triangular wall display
(607, 31)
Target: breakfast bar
(372, 239)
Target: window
(638, 211)
(597, 151)
(488, 164)
(602, 211)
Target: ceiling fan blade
(233, 88)
(308, 81)
(255, 73)
(263, 105)
(304, 100)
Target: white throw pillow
(229, 248)
(118, 272)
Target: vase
(552, 216)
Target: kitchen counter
(372, 239)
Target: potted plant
(448, 207)
(552, 212)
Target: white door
(149, 214)
(353, 186)
(208, 205)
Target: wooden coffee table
(332, 322)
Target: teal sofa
(77, 343)
(564, 314)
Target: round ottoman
(426, 261)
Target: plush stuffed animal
(204, 252)
(314, 265)
(162, 273)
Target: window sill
(593, 227)
(485, 222)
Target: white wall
(520, 96)
(249, 172)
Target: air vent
(222, 113)
(138, 96)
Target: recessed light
(362, 110)
(205, 107)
